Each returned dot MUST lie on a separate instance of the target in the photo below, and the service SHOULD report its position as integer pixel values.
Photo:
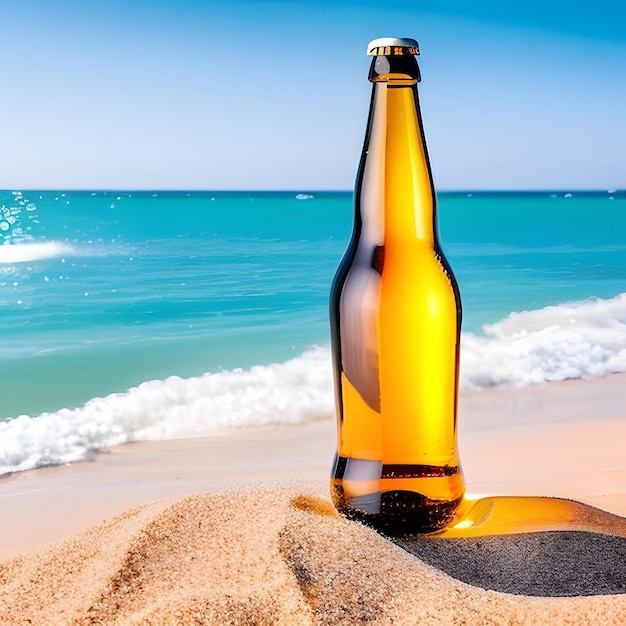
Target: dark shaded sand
(558, 563)
(283, 556)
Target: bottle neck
(395, 172)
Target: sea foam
(34, 251)
(295, 391)
(585, 339)
(573, 340)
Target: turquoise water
(103, 291)
(515, 252)
(142, 286)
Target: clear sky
(184, 94)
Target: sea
(142, 315)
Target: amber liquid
(395, 321)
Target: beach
(238, 527)
(170, 368)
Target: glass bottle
(395, 313)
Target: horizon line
(298, 190)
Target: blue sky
(182, 94)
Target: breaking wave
(585, 339)
(572, 340)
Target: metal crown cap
(390, 46)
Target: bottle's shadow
(530, 546)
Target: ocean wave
(34, 251)
(296, 391)
(584, 339)
(573, 340)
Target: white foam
(33, 251)
(296, 391)
(584, 339)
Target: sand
(237, 528)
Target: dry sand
(222, 549)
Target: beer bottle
(395, 315)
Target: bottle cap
(392, 46)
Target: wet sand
(238, 528)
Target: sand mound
(261, 556)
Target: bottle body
(395, 326)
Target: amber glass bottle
(395, 316)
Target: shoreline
(561, 439)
